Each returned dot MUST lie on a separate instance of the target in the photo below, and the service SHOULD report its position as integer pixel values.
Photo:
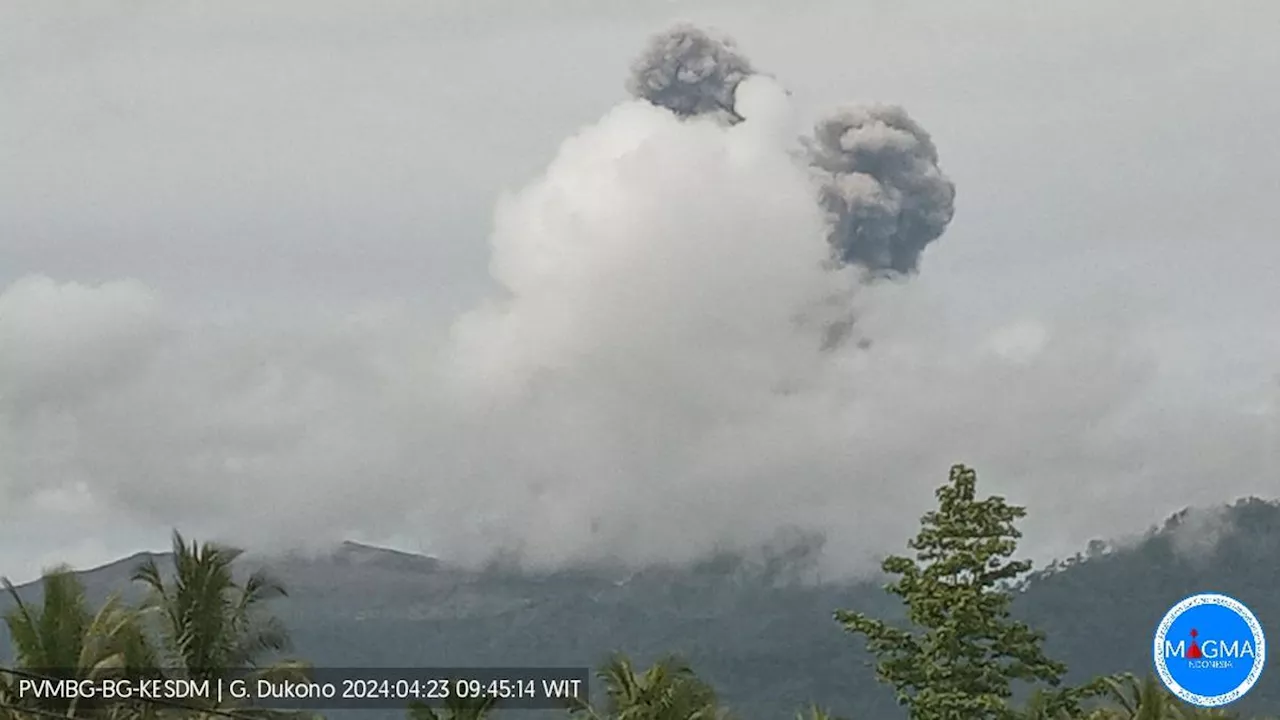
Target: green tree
(64, 638)
(815, 713)
(1147, 699)
(1132, 699)
(455, 708)
(668, 690)
(210, 624)
(965, 654)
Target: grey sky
(304, 194)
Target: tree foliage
(963, 658)
(668, 690)
(63, 637)
(210, 622)
(455, 708)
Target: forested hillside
(767, 643)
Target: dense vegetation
(960, 655)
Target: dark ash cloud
(690, 71)
(885, 195)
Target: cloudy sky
(422, 273)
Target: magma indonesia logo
(1209, 650)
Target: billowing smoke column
(884, 193)
(879, 182)
(690, 72)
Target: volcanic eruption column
(876, 169)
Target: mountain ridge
(765, 639)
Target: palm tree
(455, 708)
(1144, 699)
(63, 637)
(669, 690)
(1147, 699)
(816, 713)
(1045, 704)
(1037, 708)
(8, 699)
(210, 625)
(1189, 712)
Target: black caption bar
(325, 688)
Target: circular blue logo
(1209, 650)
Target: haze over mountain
(518, 279)
(758, 631)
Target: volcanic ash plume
(879, 181)
(881, 186)
(690, 72)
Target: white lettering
(1236, 649)
(294, 691)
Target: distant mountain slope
(1100, 612)
(768, 647)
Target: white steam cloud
(650, 386)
